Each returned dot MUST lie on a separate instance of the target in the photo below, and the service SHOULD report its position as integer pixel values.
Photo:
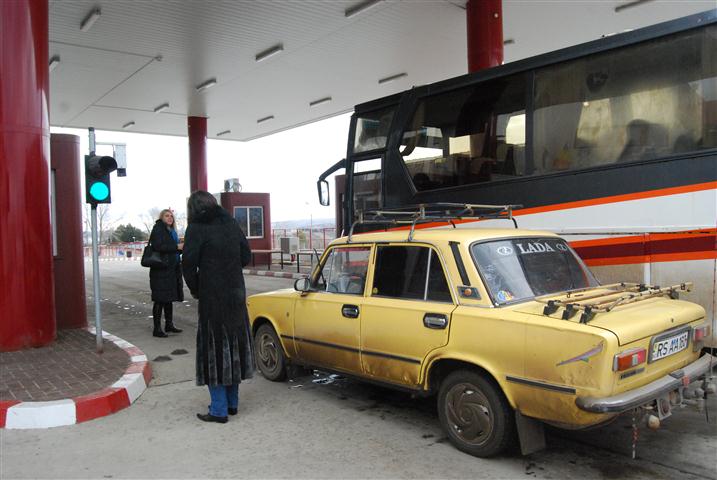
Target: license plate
(670, 345)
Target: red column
(484, 20)
(71, 310)
(27, 310)
(197, 132)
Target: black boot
(168, 324)
(157, 316)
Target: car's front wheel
(269, 353)
(475, 414)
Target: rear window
(522, 268)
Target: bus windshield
(521, 268)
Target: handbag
(152, 258)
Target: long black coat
(165, 282)
(215, 251)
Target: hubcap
(267, 353)
(469, 414)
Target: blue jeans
(223, 397)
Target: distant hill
(305, 223)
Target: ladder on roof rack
(433, 212)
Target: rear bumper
(651, 391)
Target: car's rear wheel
(269, 353)
(475, 415)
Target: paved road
(310, 427)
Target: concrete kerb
(119, 395)
(271, 273)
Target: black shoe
(169, 327)
(159, 333)
(206, 417)
(232, 411)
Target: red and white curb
(119, 395)
(271, 273)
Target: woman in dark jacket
(215, 251)
(166, 281)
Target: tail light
(698, 336)
(629, 359)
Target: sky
(286, 165)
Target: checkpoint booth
(253, 212)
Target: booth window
(251, 221)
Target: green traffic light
(99, 191)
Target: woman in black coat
(215, 252)
(166, 281)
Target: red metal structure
(231, 200)
(197, 132)
(70, 308)
(27, 311)
(484, 22)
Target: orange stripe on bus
(697, 187)
(665, 257)
(640, 237)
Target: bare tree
(149, 217)
(105, 222)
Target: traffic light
(97, 178)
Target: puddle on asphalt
(162, 358)
(179, 351)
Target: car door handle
(350, 311)
(436, 321)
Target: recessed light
(208, 84)
(54, 62)
(392, 78)
(161, 108)
(225, 132)
(320, 101)
(509, 41)
(265, 119)
(90, 19)
(269, 52)
(360, 8)
(128, 125)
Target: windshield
(522, 268)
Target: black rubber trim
(351, 349)
(547, 386)
(459, 263)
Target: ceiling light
(320, 101)
(54, 62)
(265, 119)
(225, 132)
(208, 84)
(269, 52)
(161, 108)
(360, 8)
(509, 41)
(128, 125)
(626, 5)
(90, 19)
(391, 78)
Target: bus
(611, 144)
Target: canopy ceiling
(137, 56)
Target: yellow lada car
(508, 327)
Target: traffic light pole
(96, 261)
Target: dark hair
(199, 203)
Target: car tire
(269, 353)
(475, 414)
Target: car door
(407, 314)
(327, 319)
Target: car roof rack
(432, 212)
(591, 301)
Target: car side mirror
(302, 285)
(323, 187)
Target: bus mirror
(323, 186)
